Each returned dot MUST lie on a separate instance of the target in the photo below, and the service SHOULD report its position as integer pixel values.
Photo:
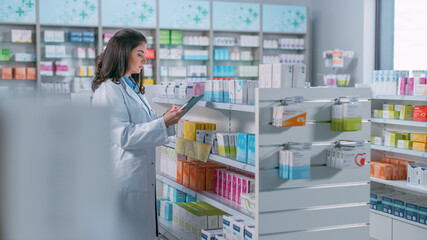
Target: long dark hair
(113, 62)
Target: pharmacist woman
(135, 129)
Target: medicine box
(209, 234)
(238, 229)
(251, 149)
(242, 147)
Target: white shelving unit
(399, 122)
(402, 184)
(226, 161)
(385, 225)
(399, 97)
(213, 105)
(332, 204)
(399, 150)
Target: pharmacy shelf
(399, 122)
(184, 77)
(226, 161)
(398, 97)
(14, 80)
(60, 76)
(184, 45)
(236, 76)
(398, 219)
(215, 200)
(236, 60)
(236, 46)
(172, 232)
(169, 59)
(287, 49)
(68, 42)
(5, 42)
(13, 61)
(400, 184)
(399, 150)
(172, 183)
(213, 105)
(225, 205)
(60, 58)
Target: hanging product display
(295, 161)
(346, 154)
(291, 113)
(346, 115)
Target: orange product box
(382, 170)
(197, 177)
(19, 73)
(419, 137)
(210, 168)
(405, 162)
(179, 164)
(186, 173)
(398, 172)
(418, 146)
(6, 73)
(31, 73)
(385, 159)
(394, 161)
(420, 114)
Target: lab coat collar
(135, 96)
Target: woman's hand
(172, 116)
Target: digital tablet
(191, 103)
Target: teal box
(399, 208)
(159, 200)
(375, 202)
(189, 198)
(177, 196)
(422, 215)
(168, 211)
(387, 205)
(251, 149)
(242, 147)
(411, 212)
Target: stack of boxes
(390, 168)
(22, 36)
(393, 82)
(236, 229)
(84, 37)
(402, 112)
(404, 140)
(282, 76)
(399, 204)
(170, 37)
(232, 184)
(19, 73)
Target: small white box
(209, 234)
(241, 91)
(299, 76)
(250, 233)
(59, 36)
(49, 36)
(26, 36)
(58, 87)
(265, 75)
(50, 51)
(282, 75)
(238, 229)
(227, 226)
(16, 35)
(164, 71)
(251, 92)
(81, 52)
(91, 53)
(59, 51)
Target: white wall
(346, 25)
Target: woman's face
(137, 59)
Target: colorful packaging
(6, 73)
(417, 146)
(19, 73)
(251, 149)
(242, 147)
(419, 137)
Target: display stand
(332, 204)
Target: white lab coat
(136, 131)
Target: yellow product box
(419, 137)
(190, 129)
(148, 81)
(210, 126)
(406, 113)
(418, 146)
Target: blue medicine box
(76, 34)
(375, 202)
(76, 39)
(168, 211)
(177, 196)
(387, 205)
(189, 198)
(411, 212)
(422, 215)
(399, 208)
(88, 39)
(89, 34)
(251, 149)
(242, 147)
